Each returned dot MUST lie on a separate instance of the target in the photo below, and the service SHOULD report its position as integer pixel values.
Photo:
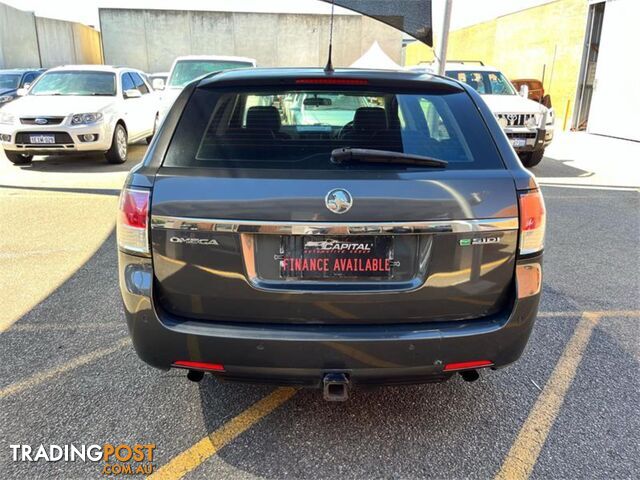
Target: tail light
(133, 221)
(532, 222)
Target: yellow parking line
(525, 450)
(191, 458)
(45, 375)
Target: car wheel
(532, 159)
(19, 158)
(155, 129)
(118, 151)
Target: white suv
(186, 69)
(528, 124)
(80, 108)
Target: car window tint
(9, 81)
(29, 78)
(299, 129)
(139, 83)
(127, 82)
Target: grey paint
(216, 304)
(151, 39)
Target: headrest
(263, 117)
(370, 118)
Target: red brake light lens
(213, 367)
(133, 218)
(532, 222)
(450, 367)
(332, 81)
(135, 208)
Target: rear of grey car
(398, 242)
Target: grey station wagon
(292, 226)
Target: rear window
(298, 129)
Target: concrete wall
(151, 39)
(67, 43)
(18, 40)
(522, 43)
(30, 41)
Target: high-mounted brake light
(332, 81)
(133, 215)
(210, 367)
(532, 222)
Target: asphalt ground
(568, 409)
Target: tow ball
(335, 387)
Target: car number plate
(42, 139)
(518, 142)
(334, 258)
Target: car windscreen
(485, 83)
(186, 71)
(262, 128)
(8, 81)
(75, 83)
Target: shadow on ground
(551, 167)
(86, 163)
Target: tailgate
(414, 247)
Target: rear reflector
(450, 367)
(332, 81)
(133, 218)
(210, 367)
(528, 279)
(532, 222)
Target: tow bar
(336, 387)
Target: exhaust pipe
(470, 375)
(335, 387)
(195, 375)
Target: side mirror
(132, 93)
(546, 101)
(158, 84)
(21, 92)
(524, 91)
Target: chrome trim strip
(321, 228)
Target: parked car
(400, 245)
(186, 69)
(11, 81)
(158, 80)
(80, 108)
(528, 124)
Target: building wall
(30, 41)
(522, 44)
(18, 40)
(151, 39)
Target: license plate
(42, 139)
(518, 142)
(327, 258)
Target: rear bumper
(303, 354)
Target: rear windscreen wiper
(366, 155)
